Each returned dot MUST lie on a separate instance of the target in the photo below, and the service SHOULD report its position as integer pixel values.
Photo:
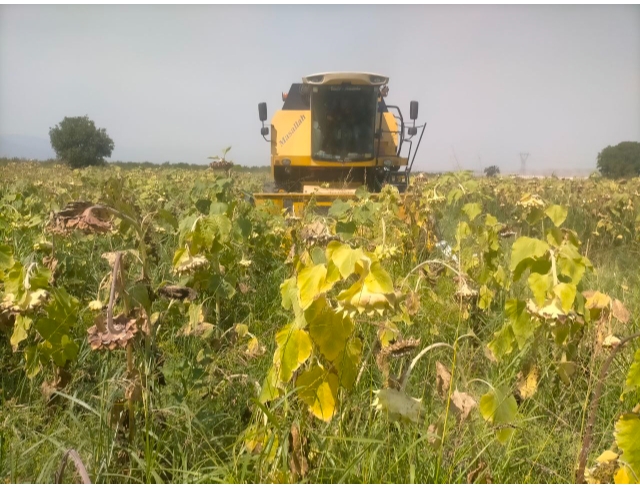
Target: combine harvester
(334, 134)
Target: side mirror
(413, 110)
(264, 131)
(262, 111)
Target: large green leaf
(330, 332)
(567, 295)
(627, 436)
(32, 361)
(319, 390)
(633, 377)
(571, 264)
(472, 210)
(348, 361)
(315, 281)
(521, 323)
(20, 331)
(294, 348)
(339, 209)
(524, 251)
(6, 257)
(14, 280)
(378, 280)
(344, 257)
(540, 285)
(557, 214)
(502, 343)
(270, 387)
(499, 408)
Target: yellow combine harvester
(334, 134)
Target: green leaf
(40, 279)
(372, 292)
(524, 251)
(472, 210)
(339, 209)
(294, 348)
(291, 300)
(20, 331)
(344, 257)
(139, 293)
(490, 220)
(313, 282)
(557, 214)
(317, 255)
(362, 193)
(567, 295)
(378, 280)
(270, 389)
(6, 257)
(319, 390)
(571, 264)
(347, 363)
(486, 296)
(555, 237)
(540, 284)
(499, 408)
(633, 377)
(289, 293)
(14, 280)
(167, 217)
(502, 343)
(463, 231)
(32, 365)
(566, 369)
(627, 435)
(534, 216)
(521, 324)
(330, 332)
(345, 229)
(500, 277)
(203, 206)
(218, 208)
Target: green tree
(78, 142)
(620, 161)
(491, 171)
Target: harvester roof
(371, 79)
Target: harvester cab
(334, 134)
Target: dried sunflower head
(103, 337)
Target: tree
(620, 161)
(78, 142)
(491, 171)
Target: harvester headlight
(286, 162)
(388, 163)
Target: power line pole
(523, 163)
(458, 167)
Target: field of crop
(473, 330)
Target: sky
(180, 83)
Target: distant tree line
(79, 143)
(620, 161)
(491, 171)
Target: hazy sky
(179, 83)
